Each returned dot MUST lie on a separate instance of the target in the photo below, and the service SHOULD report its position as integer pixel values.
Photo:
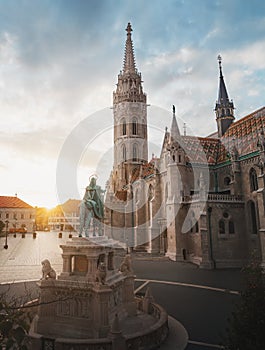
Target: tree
(14, 323)
(247, 324)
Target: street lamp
(6, 245)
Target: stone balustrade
(214, 197)
(218, 197)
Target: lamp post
(15, 226)
(6, 245)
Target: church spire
(129, 60)
(224, 108)
(129, 87)
(174, 131)
(223, 95)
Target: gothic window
(179, 158)
(135, 153)
(134, 126)
(227, 181)
(231, 227)
(221, 227)
(253, 217)
(123, 153)
(123, 127)
(253, 180)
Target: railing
(214, 197)
(217, 197)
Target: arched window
(134, 126)
(123, 127)
(227, 181)
(253, 179)
(221, 227)
(123, 153)
(231, 227)
(253, 217)
(135, 152)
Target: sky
(59, 61)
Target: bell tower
(130, 119)
(224, 108)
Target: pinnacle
(129, 60)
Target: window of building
(134, 126)
(124, 153)
(231, 227)
(7, 215)
(221, 227)
(135, 153)
(123, 127)
(227, 181)
(253, 180)
(22, 216)
(253, 217)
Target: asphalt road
(202, 311)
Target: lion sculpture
(47, 271)
(126, 265)
(101, 273)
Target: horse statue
(91, 207)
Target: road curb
(177, 338)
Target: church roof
(201, 149)
(13, 202)
(245, 133)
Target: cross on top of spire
(219, 57)
(129, 29)
(129, 60)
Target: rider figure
(93, 203)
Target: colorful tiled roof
(147, 170)
(244, 134)
(201, 149)
(13, 202)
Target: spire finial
(219, 57)
(173, 109)
(129, 29)
(129, 61)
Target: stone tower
(224, 108)
(130, 120)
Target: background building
(18, 213)
(65, 217)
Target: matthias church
(202, 200)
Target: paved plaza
(201, 300)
